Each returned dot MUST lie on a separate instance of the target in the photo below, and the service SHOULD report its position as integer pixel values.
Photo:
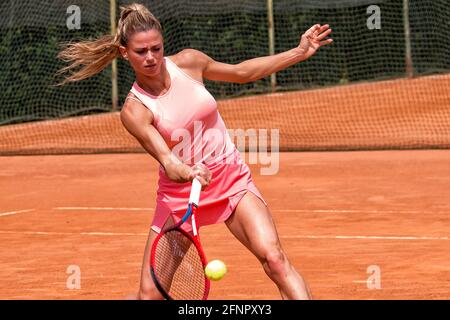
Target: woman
(168, 101)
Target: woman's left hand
(313, 39)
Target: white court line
(42, 233)
(103, 208)
(15, 212)
(357, 211)
(366, 238)
(283, 237)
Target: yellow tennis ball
(215, 270)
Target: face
(145, 52)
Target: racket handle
(195, 192)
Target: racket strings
(179, 268)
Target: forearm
(176, 170)
(137, 120)
(261, 67)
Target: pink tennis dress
(187, 118)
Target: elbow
(244, 75)
(246, 80)
(248, 77)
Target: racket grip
(195, 192)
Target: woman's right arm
(137, 119)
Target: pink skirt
(231, 180)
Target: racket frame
(195, 239)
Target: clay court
(337, 213)
(340, 214)
(359, 135)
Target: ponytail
(94, 56)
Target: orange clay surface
(338, 215)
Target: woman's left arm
(258, 68)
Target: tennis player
(175, 119)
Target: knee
(274, 261)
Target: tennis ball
(215, 270)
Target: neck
(155, 85)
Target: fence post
(115, 89)
(408, 55)
(273, 77)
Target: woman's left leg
(252, 224)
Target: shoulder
(191, 59)
(134, 110)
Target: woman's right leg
(147, 288)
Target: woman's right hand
(179, 172)
(202, 174)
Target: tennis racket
(177, 261)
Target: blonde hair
(96, 55)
